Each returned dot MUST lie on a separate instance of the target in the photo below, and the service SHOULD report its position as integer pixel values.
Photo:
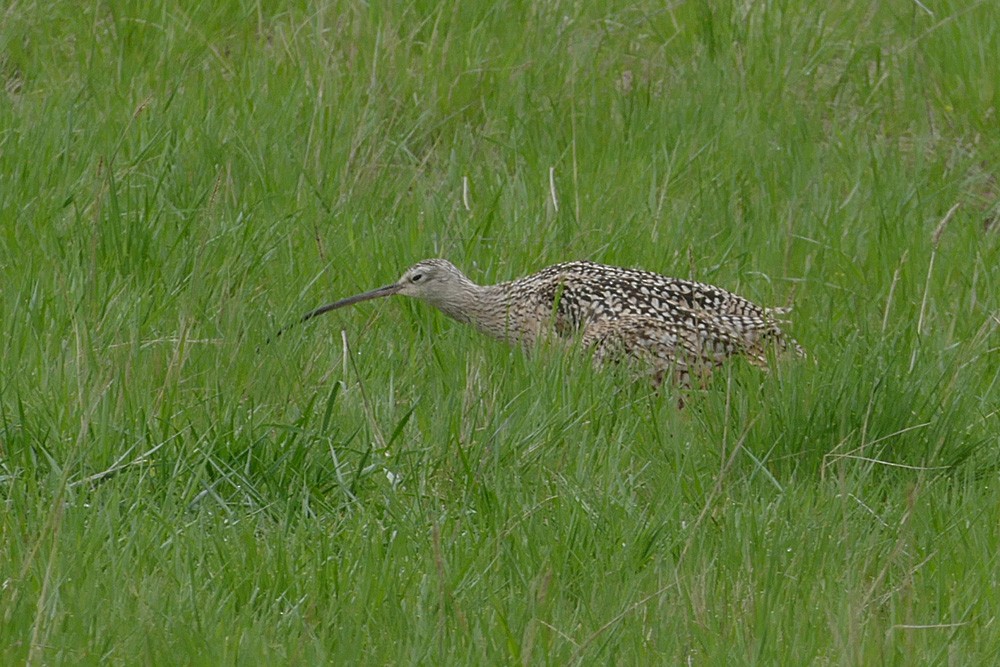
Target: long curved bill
(386, 290)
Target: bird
(666, 325)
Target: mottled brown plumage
(667, 324)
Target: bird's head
(435, 281)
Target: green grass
(176, 183)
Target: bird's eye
(416, 277)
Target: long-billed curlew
(667, 324)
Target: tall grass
(386, 486)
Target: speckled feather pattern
(638, 313)
(584, 293)
(669, 324)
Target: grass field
(385, 486)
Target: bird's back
(577, 296)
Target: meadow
(386, 486)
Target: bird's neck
(485, 307)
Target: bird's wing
(691, 340)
